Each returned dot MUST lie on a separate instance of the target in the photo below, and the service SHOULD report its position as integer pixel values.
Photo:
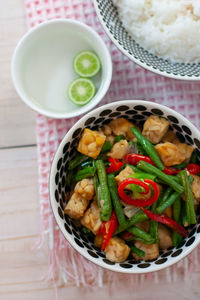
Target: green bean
(168, 202)
(184, 218)
(137, 251)
(105, 194)
(75, 162)
(120, 137)
(143, 175)
(148, 147)
(177, 209)
(176, 238)
(107, 146)
(85, 173)
(136, 231)
(97, 189)
(138, 217)
(150, 242)
(153, 229)
(116, 200)
(191, 216)
(133, 168)
(166, 195)
(144, 166)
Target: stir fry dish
(134, 190)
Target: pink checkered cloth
(129, 82)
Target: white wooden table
(22, 267)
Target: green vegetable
(107, 146)
(75, 162)
(141, 234)
(105, 194)
(85, 173)
(120, 137)
(184, 218)
(144, 166)
(137, 251)
(166, 195)
(191, 216)
(116, 200)
(150, 242)
(97, 189)
(148, 148)
(153, 229)
(176, 238)
(143, 175)
(138, 217)
(168, 202)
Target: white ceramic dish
(42, 66)
(112, 24)
(137, 111)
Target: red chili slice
(115, 165)
(139, 202)
(107, 229)
(167, 221)
(134, 159)
(193, 169)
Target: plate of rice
(160, 35)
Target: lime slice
(81, 91)
(86, 64)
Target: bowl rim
(136, 60)
(83, 109)
(51, 184)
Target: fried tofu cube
(165, 237)
(85, 188)
(170, 154)
(186, 150)
(124, 174)
(76, 206)
(196, 189)
(116, 250)
(79, 200)
(155, 128)
(151, 251)
(119, 149)
(122, 126)
(174, 154)
(91, 218)
(91, 143)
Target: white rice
(167, 28)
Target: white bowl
(113, 26)
(42, 66)
(136, 111)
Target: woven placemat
(129, 82)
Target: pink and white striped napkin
(129, 82)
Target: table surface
(21, 266)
